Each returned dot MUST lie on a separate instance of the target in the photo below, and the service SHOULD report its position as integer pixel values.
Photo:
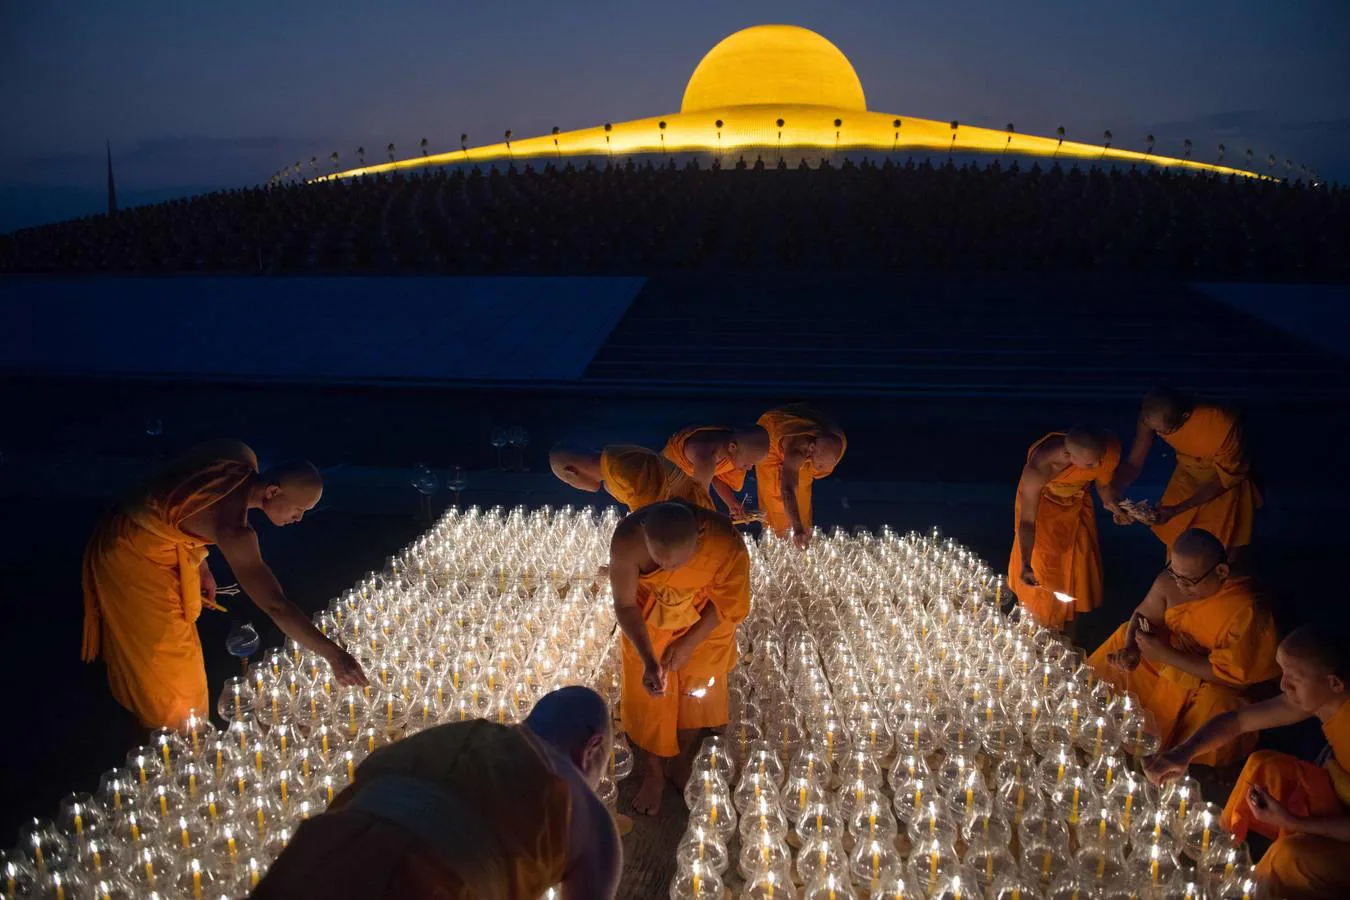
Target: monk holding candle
(803, 446)
(1211, 487)
(1304, 808)
(1056, 565)
(468, 810)
(1198, 639)
(718, 458)
(635, 476)
(146, 579)
(681, 582)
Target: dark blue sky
(198, 95)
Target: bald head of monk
(748, 446)
(826, 451)
(1199, 564)
(575, 720)
(670, 531)
(1165, 409)
(1085, 447)
(1315, 668)
(288, 491)
(576, 468)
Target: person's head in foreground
(1165, 409)
(289, 491)
(1199, 565)
(826, 451)
(1085, 447)
(1315, 668)
(748, 446)
(576, 468)
(575, 720)
(670, 531)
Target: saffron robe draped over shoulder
(785, 424)
(1300, 865)
(638, 477)
(726, 471)
(671, 603)
(466, 811)
(142, 586)
(1066, 556)
(1209, 447)
(1236, 631)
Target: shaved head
(575, 720)
(1320, 647)
(1200, 547)
(298, 475)
(1086, 447)
(290, 490)
(670, 525)
(749, 445)
(829, 448)
(1165, 409)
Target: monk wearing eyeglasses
(1198, 640)
(1211, 486)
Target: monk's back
(504, 826)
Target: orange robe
(1209, 446)
(1237, 632)
(489, 816)
(797, 420)
(1300, 865)
(671, 602)
(638, 477)
(726, 471)
(1066, 556)
(143, 591)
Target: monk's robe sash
(1067, 556)
(1209, 447)
(726, 471)
(783, 425)
(638, 477)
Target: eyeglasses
(1190, 582)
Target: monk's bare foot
(678, 770)
(647, 800)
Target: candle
(1045, 863)
(1129, 802)
(932, 866)
(233, 847)
(196, 880)
(1073, 815)
(1204, 840)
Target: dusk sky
(197, 96)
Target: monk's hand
(1121, 517)
(1029, 577)
(1269, 811)
(1162, 767)
(801, 537)
(1164, 514)
(346, 670)
(736, 510)
(653, 678)
(677, 655)
(1151, 646)
(1126, 659)
(208, 584)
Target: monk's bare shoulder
(1049, 459)
(626, 545)
(222, 520)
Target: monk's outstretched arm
(1153, 609)
(1029, 503)
(1220, 730)
(239, 545)
(704, 461)
(623, 582)
(1335, 827)
(724, 490)
(1131, 466)
(792, 467)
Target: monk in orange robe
(635, 476)
(467, 810)
(1304, 808)
(146, 578)
(1198, 639)
(681, 582)
(1211, 487)
(718, 458)
(803, 446)
(1056, 564)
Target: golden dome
(774, 64)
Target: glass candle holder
(990, 862)
(763, 817)
(1180, 796)
(1043, 861)
(831, 886)
(696, 881)
(874, 821)
(774, 884)
(1200, 829)
(822, 856)
(763, 854)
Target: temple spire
(112, 186)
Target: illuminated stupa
(784, 89)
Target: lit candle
(1045, 863)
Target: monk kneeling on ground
(1304, 808)
(468, 810)
(681, 582)
(1198, 639)
(718, 458)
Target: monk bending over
(803, 446)
(146, 579)
(1211, 487)
(1196, 641)
(718, 458)
(635, 476)
(468, 810)
(1304, 808)
(681, 582)
(1056, 564)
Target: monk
(803, 446)
(468, 810)
(635, 476)
(1304, 808)
(1056, 564)
(718, 458)
(1199, 638)
(681, 581)
(1211, 487)
(146, 578)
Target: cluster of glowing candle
(478, 618)
(895, 735)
